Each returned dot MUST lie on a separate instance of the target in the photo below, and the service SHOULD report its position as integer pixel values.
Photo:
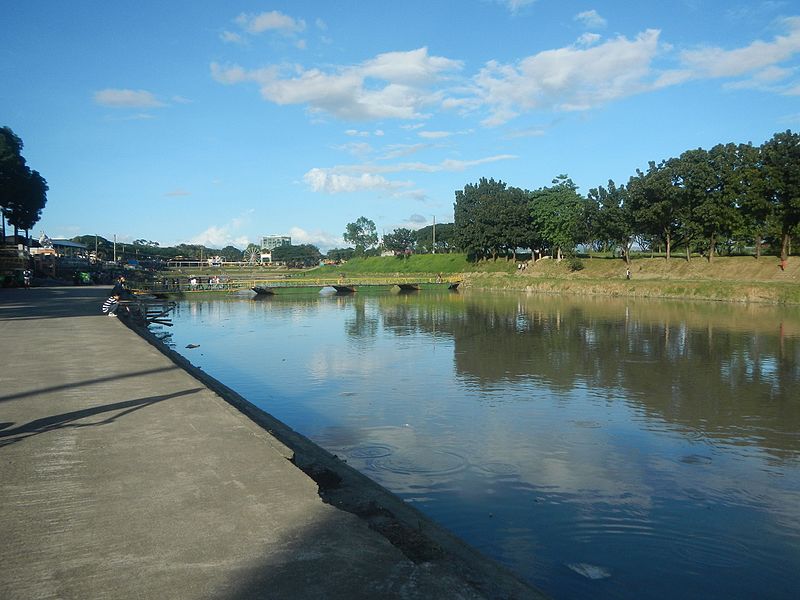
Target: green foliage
(23, 192)
(575, 264)
(341, 254)
(558, 214)
(445, 238)
(303, 254)
(781, 160)
(362, 234)
(231, 254)
(399, 241)
(491, 219)
(612, 218)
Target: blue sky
(221, 122)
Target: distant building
(270, 242)
(70, 249)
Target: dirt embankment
(731, 279)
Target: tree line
(730, 197)
(23, 191)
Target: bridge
(269, 286)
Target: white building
(270, 242)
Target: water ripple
(422, 462)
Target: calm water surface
(605, 448)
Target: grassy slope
(742, 279)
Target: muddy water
(604, 448)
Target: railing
(238, 284)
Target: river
(605, 448)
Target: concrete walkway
(122, 475)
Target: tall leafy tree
(400, 240)
(231, 254)
(558, 215)
(615, 221)
(757, 209)
(781, 164)
(12, 173)
(475, 216)
(717, 214)
(445, 234)
(23, 192)
(362, 234)
(306, 254)
(655, 203)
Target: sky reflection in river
(612, 448)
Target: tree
(445, 235)
(399, 241)
(362, 234)
(615, 221)
(491, 219)
(340, 254)
(231, 254)
(558, 215)
(781, 163)
(694, 182)
(753, 198)
(717, 214)
(302, 254)
(654, 202)
(13, 171)
(29, 195)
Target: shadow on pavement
(51, 302)
(66, 386)
(68, 419)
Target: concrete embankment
(125, 472)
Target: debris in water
(590, 571)
(192, 345)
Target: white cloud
(324, 180)
(124, 98)
(716, 62)
(588, 39)
(515, 5)
(399, 150)
(529, 132)
(270, 21)
(391, 85)
(219, 237)
(356, 148)
(229, 37)
(321, 239)
(431, 135)
(363, 177)
(176, 193)
(570, 78)
(591, 19)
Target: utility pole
(115, 248)
(434, 234)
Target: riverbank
(128, 472)
(729, 279)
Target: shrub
(574, 264)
